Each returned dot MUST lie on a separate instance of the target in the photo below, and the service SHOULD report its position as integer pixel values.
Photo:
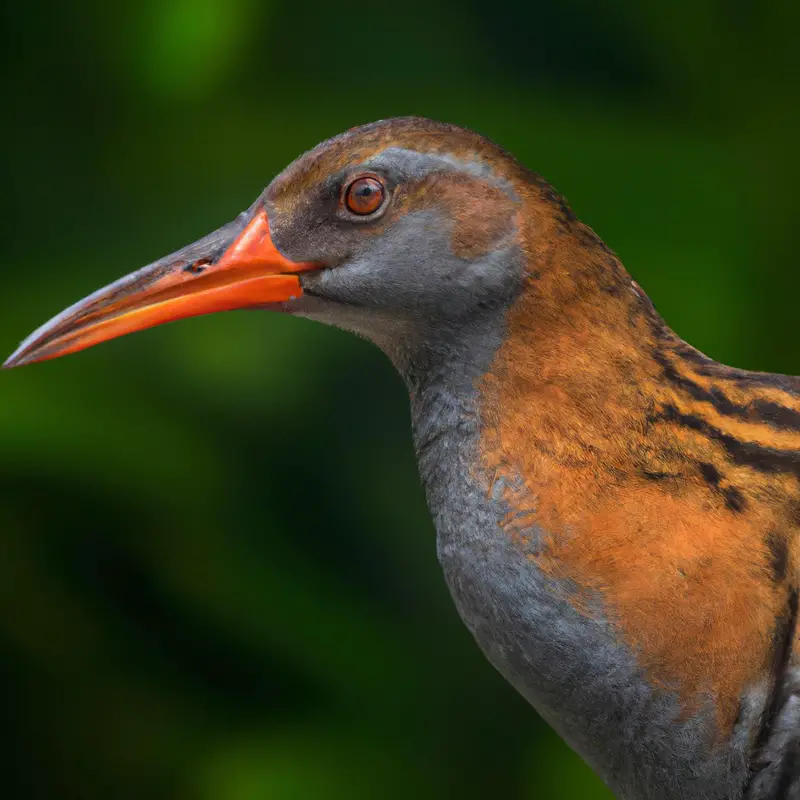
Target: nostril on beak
(196, 267)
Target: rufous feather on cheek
(481, 213)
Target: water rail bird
(617, 514)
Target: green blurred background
(217, 572)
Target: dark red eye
(364, 196)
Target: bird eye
(364, 196)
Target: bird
(616, 513)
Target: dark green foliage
(217, 572)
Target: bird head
(401, 230)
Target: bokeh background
(217, 572)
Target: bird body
(616, 513)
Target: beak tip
(20, 357)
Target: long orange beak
(237, 266)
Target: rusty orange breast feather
(645, 474)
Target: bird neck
(566, 365)
(482, 498)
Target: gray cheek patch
(412, 268)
